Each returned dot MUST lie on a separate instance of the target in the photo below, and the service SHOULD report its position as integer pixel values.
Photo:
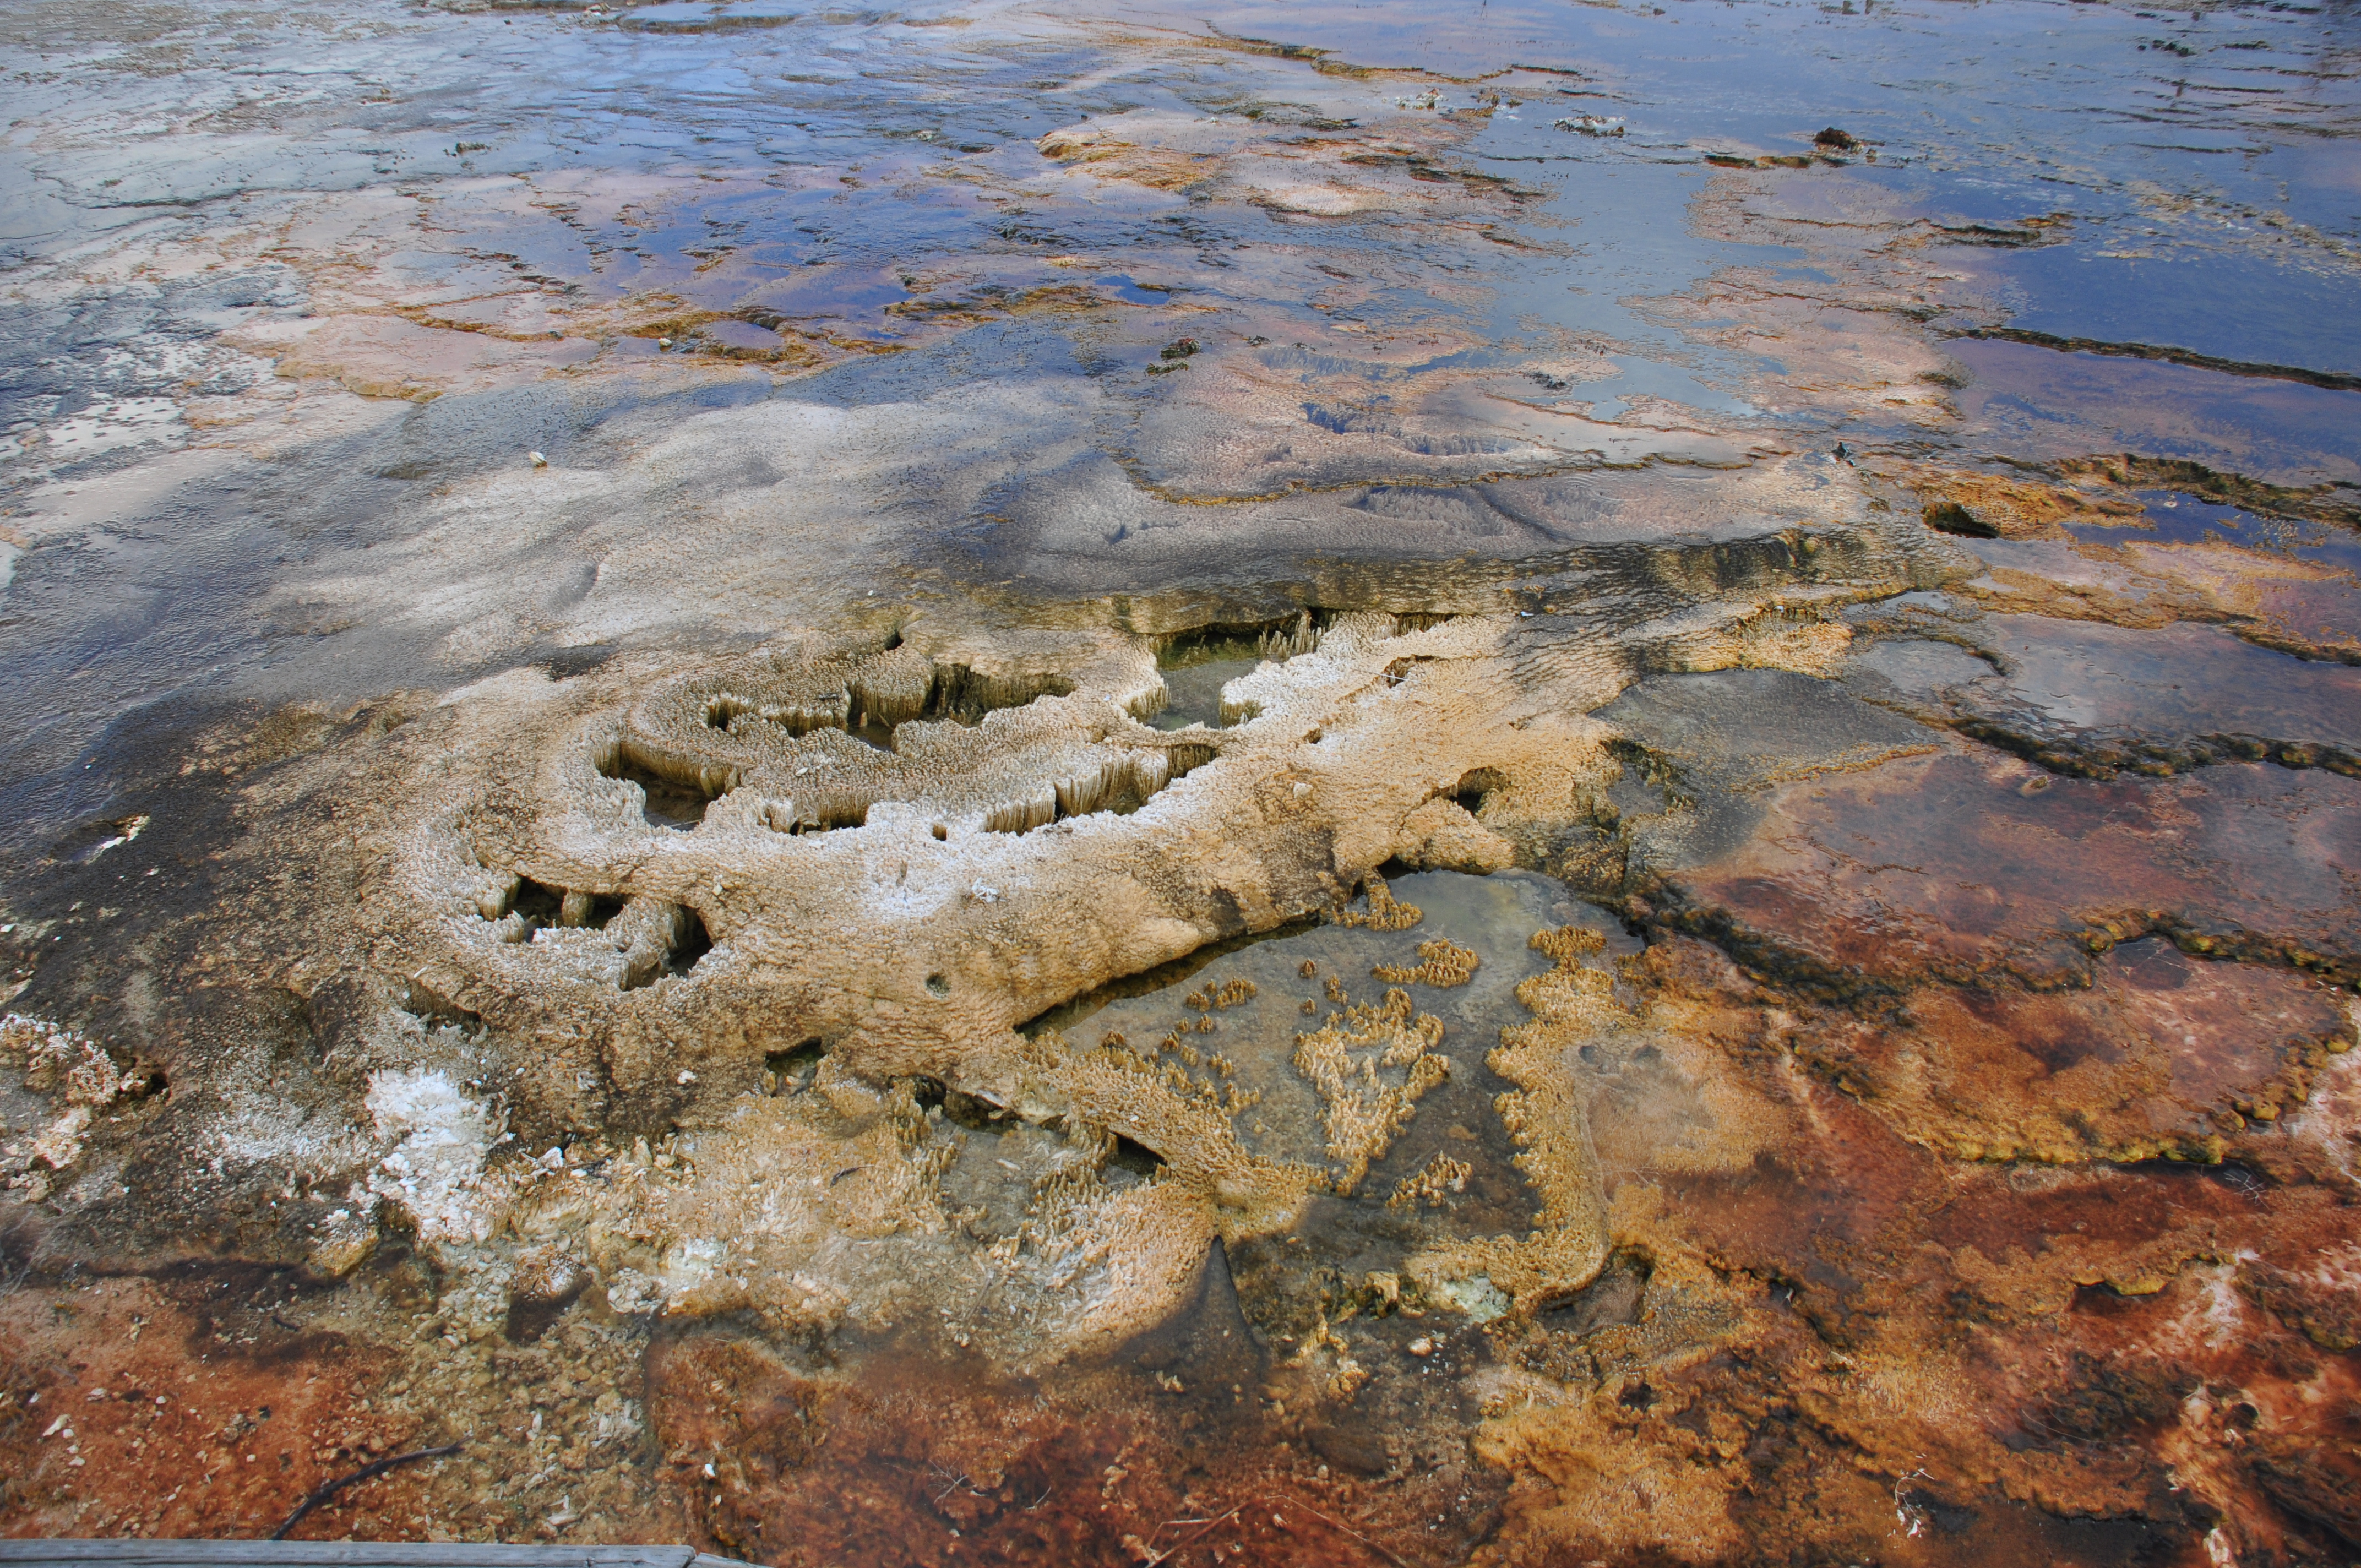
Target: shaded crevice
(724, 708)
(2330, 380)
(1616, 1298)
(954, 694)
(431, 1008)
(2104, 753)
(970, 1112)
(791, 1071)
(1398, 670)
(1951, 518)
(540, 903)
(974, 1113)
(694, 942)
(2046, 230)
(1282, 637)
(1136, 1158)
(2329, 501)
(869, 710)
(674, 794)
(1120, 787)
(817, 814)
(654, 936)
(964, 695)
(1758, 953)
(1474, 787)
(1188, 758)
(659, 940)
(1172, 971)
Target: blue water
(177, 182)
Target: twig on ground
(373, 1468)
(1179, 1546)
(1210, 1525)
(1348, 1530)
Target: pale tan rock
(905, 841)
(1442, 835)
(59, 1143)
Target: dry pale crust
(1002, 864)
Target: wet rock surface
(986, 785)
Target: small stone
(546, 1278)
(1421, 1346)
(537, 459)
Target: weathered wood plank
(347, 1554)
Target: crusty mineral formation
(971, 785)
(908, 842)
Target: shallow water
(1194, 692)
(2180, 679)
(870, 182)
(1494, 916)
(1867, 497)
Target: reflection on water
(2170, 517)
(2174, 680)
(1493, 917)
(375, 376)
(2043, 403)
(847, 178)
(2227, 306)
(1599, 235)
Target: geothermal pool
(1038, 784)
